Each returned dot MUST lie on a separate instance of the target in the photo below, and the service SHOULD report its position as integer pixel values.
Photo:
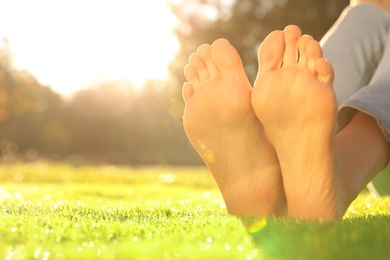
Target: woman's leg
(363, 151)
(383, 4)
(354, 46)
(359, 48)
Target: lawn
(54, 211)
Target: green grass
(61, 212)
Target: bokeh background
(99, 82)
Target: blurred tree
(96, 119)
(114, 124)
(111, 123)
(30, 113)
(245, 23)
(16, 88)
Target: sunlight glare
(257, 226)
(73, 44)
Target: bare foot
(223, 128)
(296, 103)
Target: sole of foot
(221, 125)
(294, 99)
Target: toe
(199, 65)
(205, 53)
(187, 91)
(325, 71)
(191, 74)
(225, 57)
(302, 45)
(271, 51)
(292, 34)
(314, 52)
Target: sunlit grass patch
(363, 234)
(80, 231)
(62, 212)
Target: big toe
(271, 51)
(225, 57)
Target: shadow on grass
(357, 238)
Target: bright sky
(72, 44)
